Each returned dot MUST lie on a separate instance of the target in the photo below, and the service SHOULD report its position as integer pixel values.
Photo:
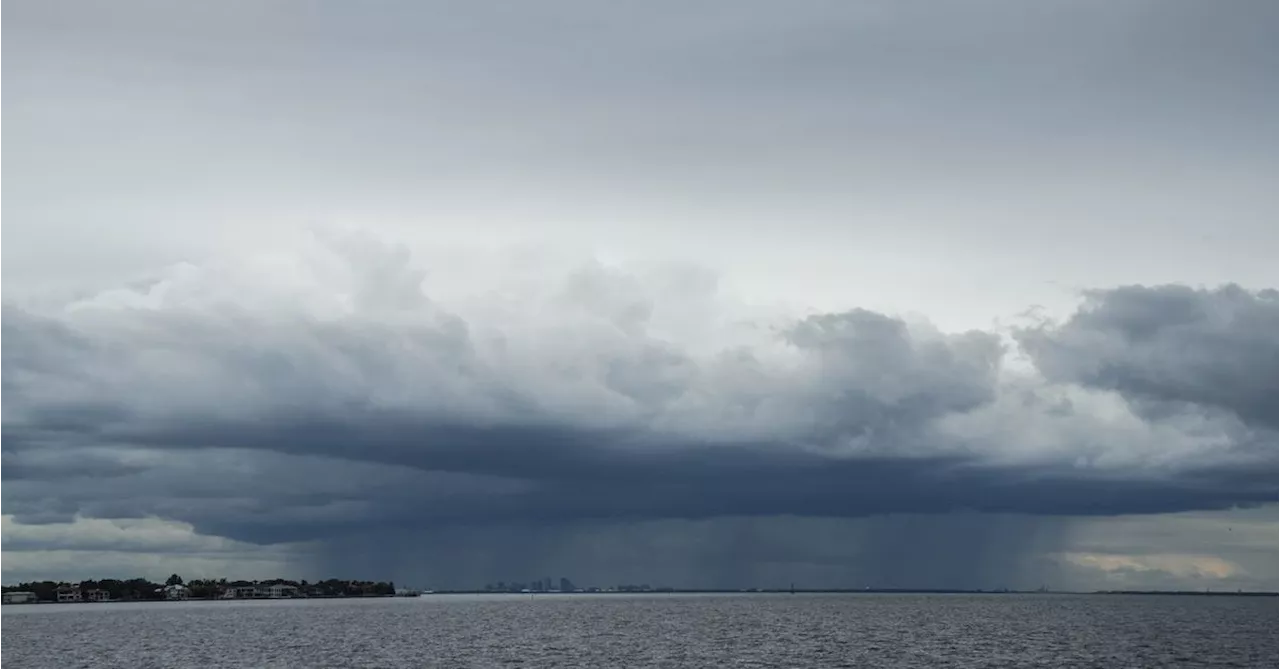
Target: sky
(703, 294)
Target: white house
(280, 591)
(70, 594)
(175, 592)
(240, 592)
(97, 596)
(261, 591)
(19, 597)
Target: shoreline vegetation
(175, 588)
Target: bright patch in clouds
(1182, 566)
(91, 548)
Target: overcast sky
(933, 294)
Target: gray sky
(725, 251)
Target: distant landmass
(175, 588)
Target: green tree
(174, 579)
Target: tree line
(141, 589)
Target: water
(869, 630)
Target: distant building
(278, 591)
(19, 597)
(70, 593)
(175, 592)
(566, 585)
(239, 592)
(97, 595)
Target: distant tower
(566, 585)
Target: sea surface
(669, 630)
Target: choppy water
(652, 631)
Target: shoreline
(1166, 593)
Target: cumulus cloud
(1170, 348)
(332, 389)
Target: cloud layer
(295, 398)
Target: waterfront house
(279, 591)
(19, 597)
(97, 595)
(70, 593)
(261, 591)
(175, 592)
(240, 592)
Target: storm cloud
(340, 397)
(1170, 345)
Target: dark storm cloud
(56, 465)
(266, 424)
(1215, 349)
(886, 551)
(820, 489)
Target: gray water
(871, 630)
